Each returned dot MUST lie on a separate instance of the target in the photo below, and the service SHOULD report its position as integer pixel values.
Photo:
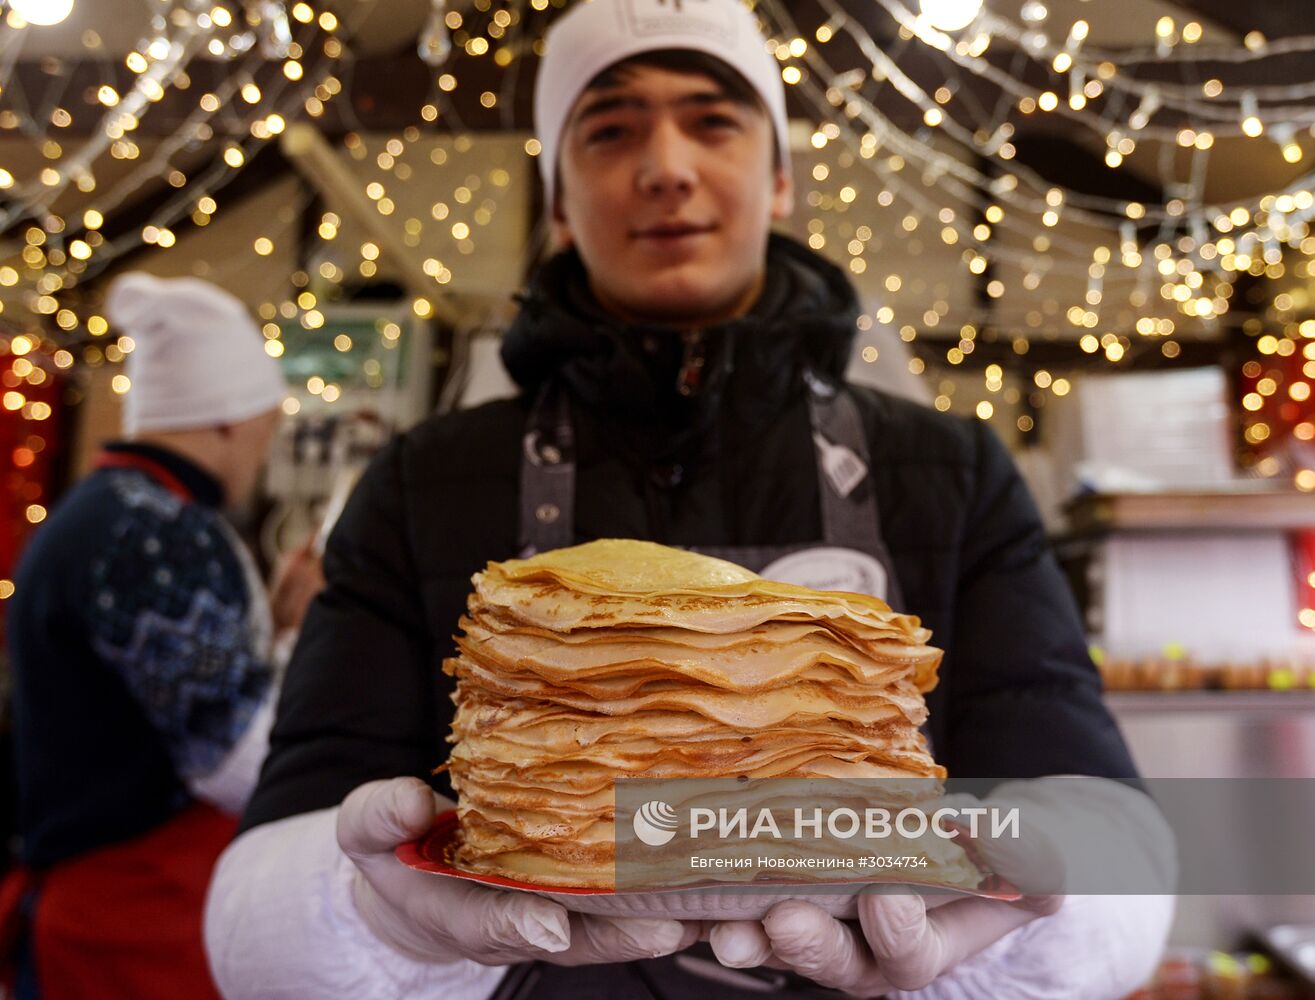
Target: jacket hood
(804, 319)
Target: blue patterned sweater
(134, 667)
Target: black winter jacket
(730, 464)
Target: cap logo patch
(659, 17)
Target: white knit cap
(596, 34)
(198, 358)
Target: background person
(140, 636)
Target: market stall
(1087, 227)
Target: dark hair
(726, 76)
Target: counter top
(1237, 702)
(1252, 508)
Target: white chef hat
(198, 358)
(596, 34)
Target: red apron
(123, 922)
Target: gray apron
(851, 555)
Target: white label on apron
(830, 568)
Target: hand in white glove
(902, 942)
(444, 920)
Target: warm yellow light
(42, 12)
(950, 15)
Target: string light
(42, 12)
(950, 15)
(435, 44)
(1036, 236)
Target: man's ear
(782, 196)
(560, 228)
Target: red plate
(433, 853)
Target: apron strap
(850, 518)
(547, 509)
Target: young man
(678, 364)
(140, 647)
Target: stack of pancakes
(625, 659)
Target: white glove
(906, 942)
(442, 920)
